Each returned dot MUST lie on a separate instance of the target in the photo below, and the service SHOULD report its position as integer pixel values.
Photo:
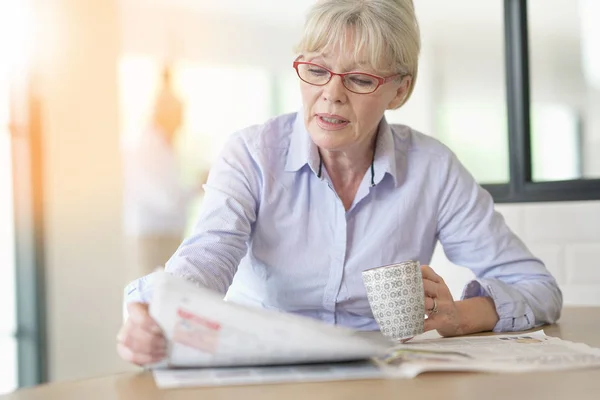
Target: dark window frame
(521, 188)
(28, 200)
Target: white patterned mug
(397, 298)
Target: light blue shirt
(273, 234)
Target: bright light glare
(16, 34)
(589, 10)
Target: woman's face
(338, 119)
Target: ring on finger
(434, 309)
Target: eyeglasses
(356, 82)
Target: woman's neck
(347, 169)
(344, 168)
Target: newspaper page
(205, 331)
(223, 343)
(496, 353)
(232, 376)
(429, 352)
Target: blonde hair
(386, 32)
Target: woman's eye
(361, 81)
(317, 71)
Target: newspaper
(534, 351)
(205, 331)
(233, 376)
(222, 343)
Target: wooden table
(576, 324)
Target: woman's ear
(401, 93)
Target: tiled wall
(566, 236)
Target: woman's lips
(331, 122)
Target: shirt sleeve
(475, 236)
(140, 290)
(211, 254)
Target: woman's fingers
(139, 315)
(141, 340)
(446, 319)
(429, 273)
(432, 283)
(428, 304)
(430, 324)
(136, 358)
(431, 288)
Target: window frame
(521, 188)
(28, 200)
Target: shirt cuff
(513, 311)
(140, 290)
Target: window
(553, 135)
(474, 94)
(565, 89)
(460, 96)
(555, 142)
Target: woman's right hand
(140, 340)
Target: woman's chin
(329, 144)
(329, 140)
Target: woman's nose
(334, 90)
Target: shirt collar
(302, 150)
(385, 153)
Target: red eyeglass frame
(381, 80)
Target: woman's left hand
(442, 311)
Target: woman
(296, 208)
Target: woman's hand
(442, 312)
(453, 318)
(140, 340)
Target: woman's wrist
(477, 314)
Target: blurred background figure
(157, 200)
